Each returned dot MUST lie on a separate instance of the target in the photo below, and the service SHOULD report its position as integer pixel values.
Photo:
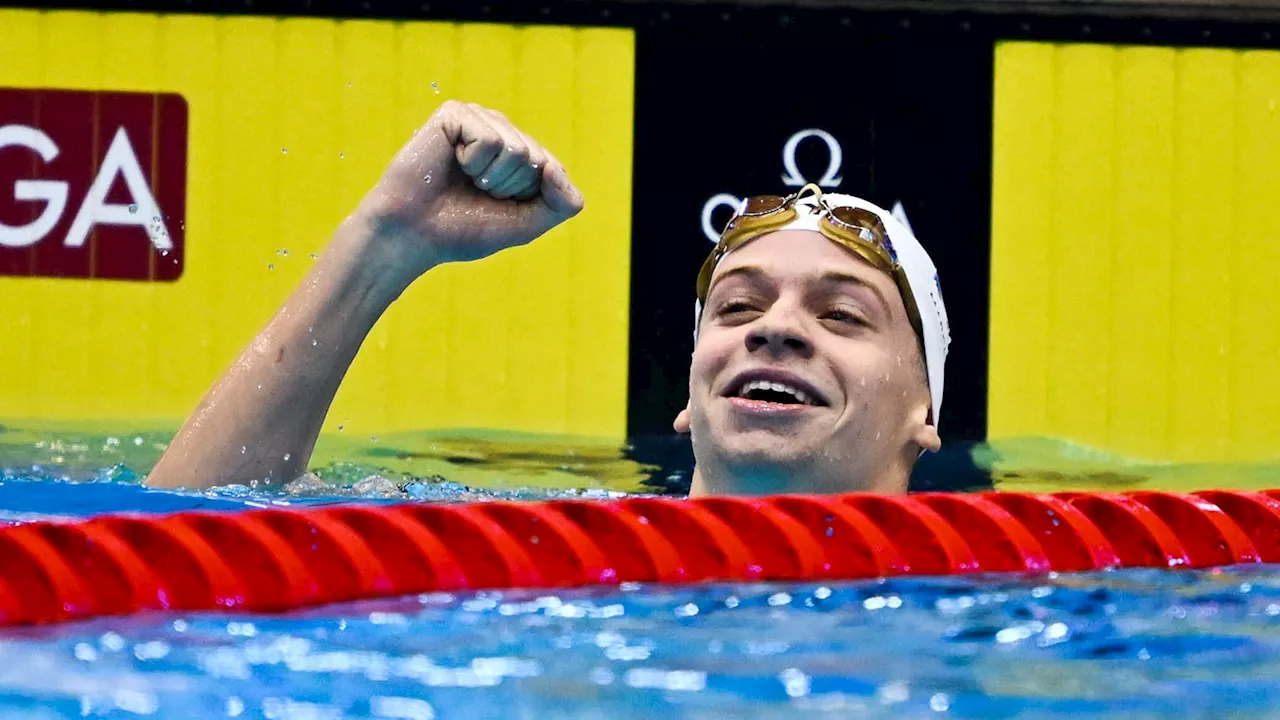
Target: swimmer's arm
(261, 419)
(494, 188)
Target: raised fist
(467, 185)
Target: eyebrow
(751, 272)
(755, 272)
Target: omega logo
(792, 177)
(835, 156)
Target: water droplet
(435, 86)
(427, 178)
(282, 251)
(243, 449)
(831, 531)
(373, 439)
(533, 539)
(339, 428)
(133, 208)
(341, 155)
(313, 342)
(284, 151)
(313, 256)
(287, 456)
(484, 181)
(348, 84)
(536, 166)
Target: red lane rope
(278, 559)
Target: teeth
(775, 387)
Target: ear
(925, 432)
(926, 436)
(681, 423)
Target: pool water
(1131, 644)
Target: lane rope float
(279, 559)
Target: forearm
(494, 188)
(261, 419)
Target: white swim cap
(922, 277)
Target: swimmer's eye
(733, 308)
(843, 316)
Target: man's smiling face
(807, 375)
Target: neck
(891, 480)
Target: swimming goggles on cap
(856, 229)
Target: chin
(769, 455)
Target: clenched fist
(467, 185)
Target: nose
(780, 331)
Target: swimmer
(820, 341)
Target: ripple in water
(1131, 644)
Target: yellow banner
(1135, 241)
(291, 121)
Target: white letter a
(120, 160)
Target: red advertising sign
(92, 184)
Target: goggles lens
(863, 222)
(865, 225)
(762, 205)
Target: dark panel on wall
(896, 115)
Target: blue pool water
(1131, 644)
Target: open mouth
(780, 393)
